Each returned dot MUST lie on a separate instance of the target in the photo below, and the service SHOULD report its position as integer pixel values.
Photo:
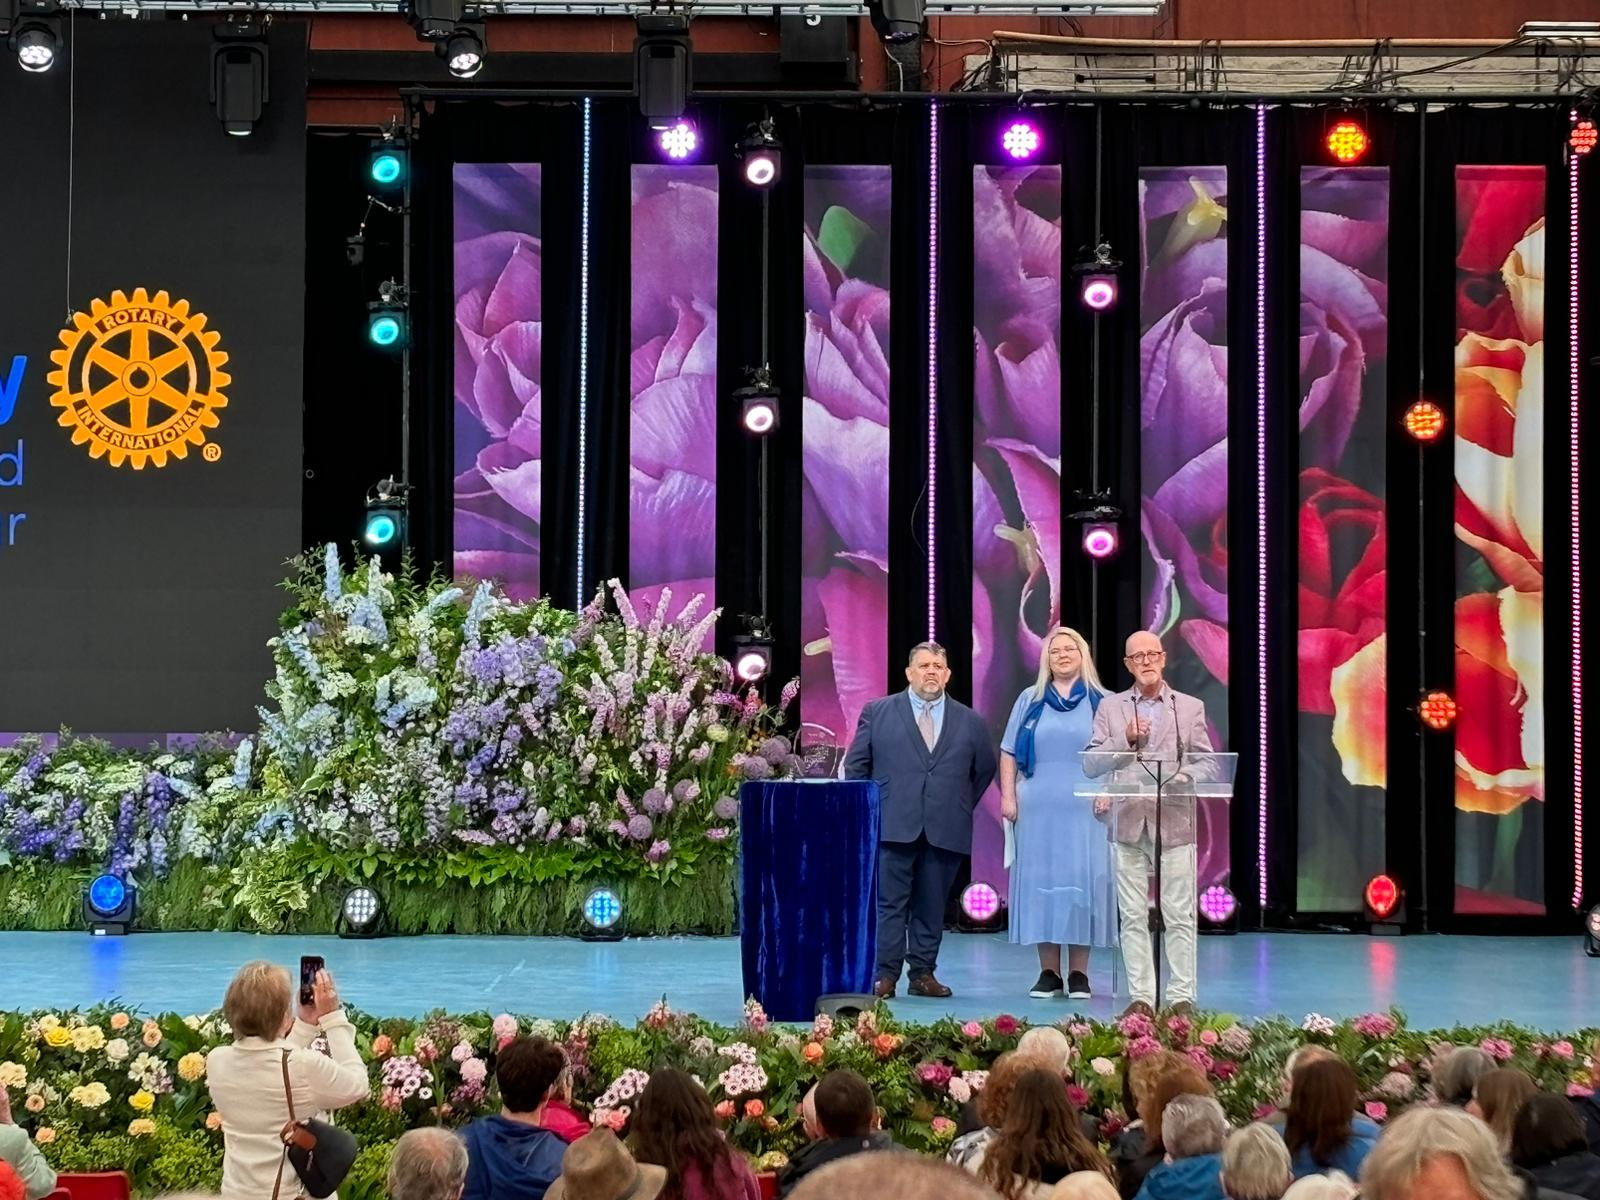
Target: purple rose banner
(1016, 476)
(497, 369)
(1499, 525)
(844, 605)
(1343, 537)
(1183, 424)
(672, 454)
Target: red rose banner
(672, 454)
(497, 351)
(1016, 438)
(1343, 554)
(844, 518)
(1499, 522)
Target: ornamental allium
(1136, 1025)
(1005, 1024)
(1143, 1047)
(726, 808)
(972, 1030)
(774, 750)
(640, 828)
(1498, 1049)
(654, 801)
(1375, 1025)
(935, 1075)
(1103, 1067)
(1319, 1024)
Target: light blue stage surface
(1544, 982)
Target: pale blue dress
(1062, 887)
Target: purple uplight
(1217, 904)
(980, 901)
(1100, 541)
(1099, 291)
(1020, 140)
(679, 141)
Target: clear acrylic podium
(1132, 792)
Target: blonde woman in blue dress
(1063, 892)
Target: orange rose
(725, 1110)
(382, 1046)
(119, 1021)
(813, 1052)
(213, 1120)
(754, 1108)
(885, 1044)
(152, 1036)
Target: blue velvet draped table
(810, 898)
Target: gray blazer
(923, 791)
(1131, 818)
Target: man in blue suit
(932, 760)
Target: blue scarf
(1023, 751)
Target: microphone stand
(1157, 920)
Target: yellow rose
(213, 1120)
(13, 1074)
(141, 1127)
(89, 1037)
(57, 1037)
(45, 1135)
(48, 1022)
(191, 1067)
(141, 1101)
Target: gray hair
(932, 648)
(1458, 1073)
(1335, 1185)
(1192, 1126)
(875, 1176)
(1047, 1044)
(1420, 1134)
(428, 1164)
(1255, 1164)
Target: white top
(246, 1082)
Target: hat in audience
(598, 1167)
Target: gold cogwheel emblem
(139, 378)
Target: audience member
(428, 1164)
(1039, 1142)
(560, 1117)
(598, 1167)
(1335, 1185)
(1496, 1098)
(674, 1127)
(808, 1116)
(1255, 1164)
(246, 1078)
(891, 1177)
(991, 1103)
(846, 1118)
(1319, 1124)
(1045, 1043)
(18, 1152)
(511, 1157)
(1458, 1073)
(1589, 1110)
(1193, 1130)
(1442, 1153)
(1085, 1185)
(1548, 1141)
(1137, 1156)
(11, 1185)
(1300, 1056)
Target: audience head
(1497, 1096)
(845, 1105)
(1301, 1056)
(1040, 1137)
(526, 1069)
(674, 1127)
(428, 1164)
(1255, 1164)
(886, 1177)
(1049, 1045)
(257, 1001)
(1085, 1185)
(996, 1094)
(1176, 1077)
(1438, 1154)
(808, 1116)
(1546, 1128)
(1335, 1185)
(1322, 1105)
(1458, 1073)
(598, 1167)
(1193, 1125)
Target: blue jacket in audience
(1347, 1158)
(508, 1160)
(1197, 1178)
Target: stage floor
(1545, 982)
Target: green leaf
(841, 236)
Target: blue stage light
(384, 329)
(108, 905)
(107, 894)
(602, 909)
(381, 529)
(387, 168)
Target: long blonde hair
(1086, 672)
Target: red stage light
(1383, 896)
(1424, 420)
(1348, 141)
(1584, 137)
(1437, 710)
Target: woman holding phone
(246, 1078)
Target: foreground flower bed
(108, 1089)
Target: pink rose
(1497, 1048)
(1078, 1096)
(1377, 1110)
(1209, 1037)
(1562, 1049)
(1225, 1068)
(617, 1119)
(1143, 1047)
(972, 1030)
(725, 1110)
(1005, 1025)
(1577, 1090)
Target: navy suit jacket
(922, 791)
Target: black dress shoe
(884, 989)
(927, 985)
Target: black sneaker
(1078, 986)
(1047, 986)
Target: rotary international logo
(138, 378)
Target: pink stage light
(1099, 541)
(980, 901)
(679, 141)
(1099, 291)
(933, 365)
(1217, 904)
(1020, 140)
(1263, 601)
(1574, 397)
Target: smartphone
(310, 964)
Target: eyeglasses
(1147, 656)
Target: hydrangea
(1375, 1025)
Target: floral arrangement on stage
(107, 1089)
(432, 737)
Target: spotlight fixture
(386, 162)
(386, 515)
(980, 909)
(1099, 541)
(1020, 140)
(761, 155)
(1591, 932)
(1097, 279)
(386, 317)
(752, 658)
(758, 403)
(239, 75)
(360, 914)
(1347, 140)
(663, 62)
(1384, 898)
(896, 20)
(602, 916)
(1437, 710)
(1099, 518)
(36, 43)
(1218, 907)
(678, 141)
(462, 51)
(1424, 421)
(1584, 135)
(109, 904)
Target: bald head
(808, 1115)
(889, 1175)
(1146, 660)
